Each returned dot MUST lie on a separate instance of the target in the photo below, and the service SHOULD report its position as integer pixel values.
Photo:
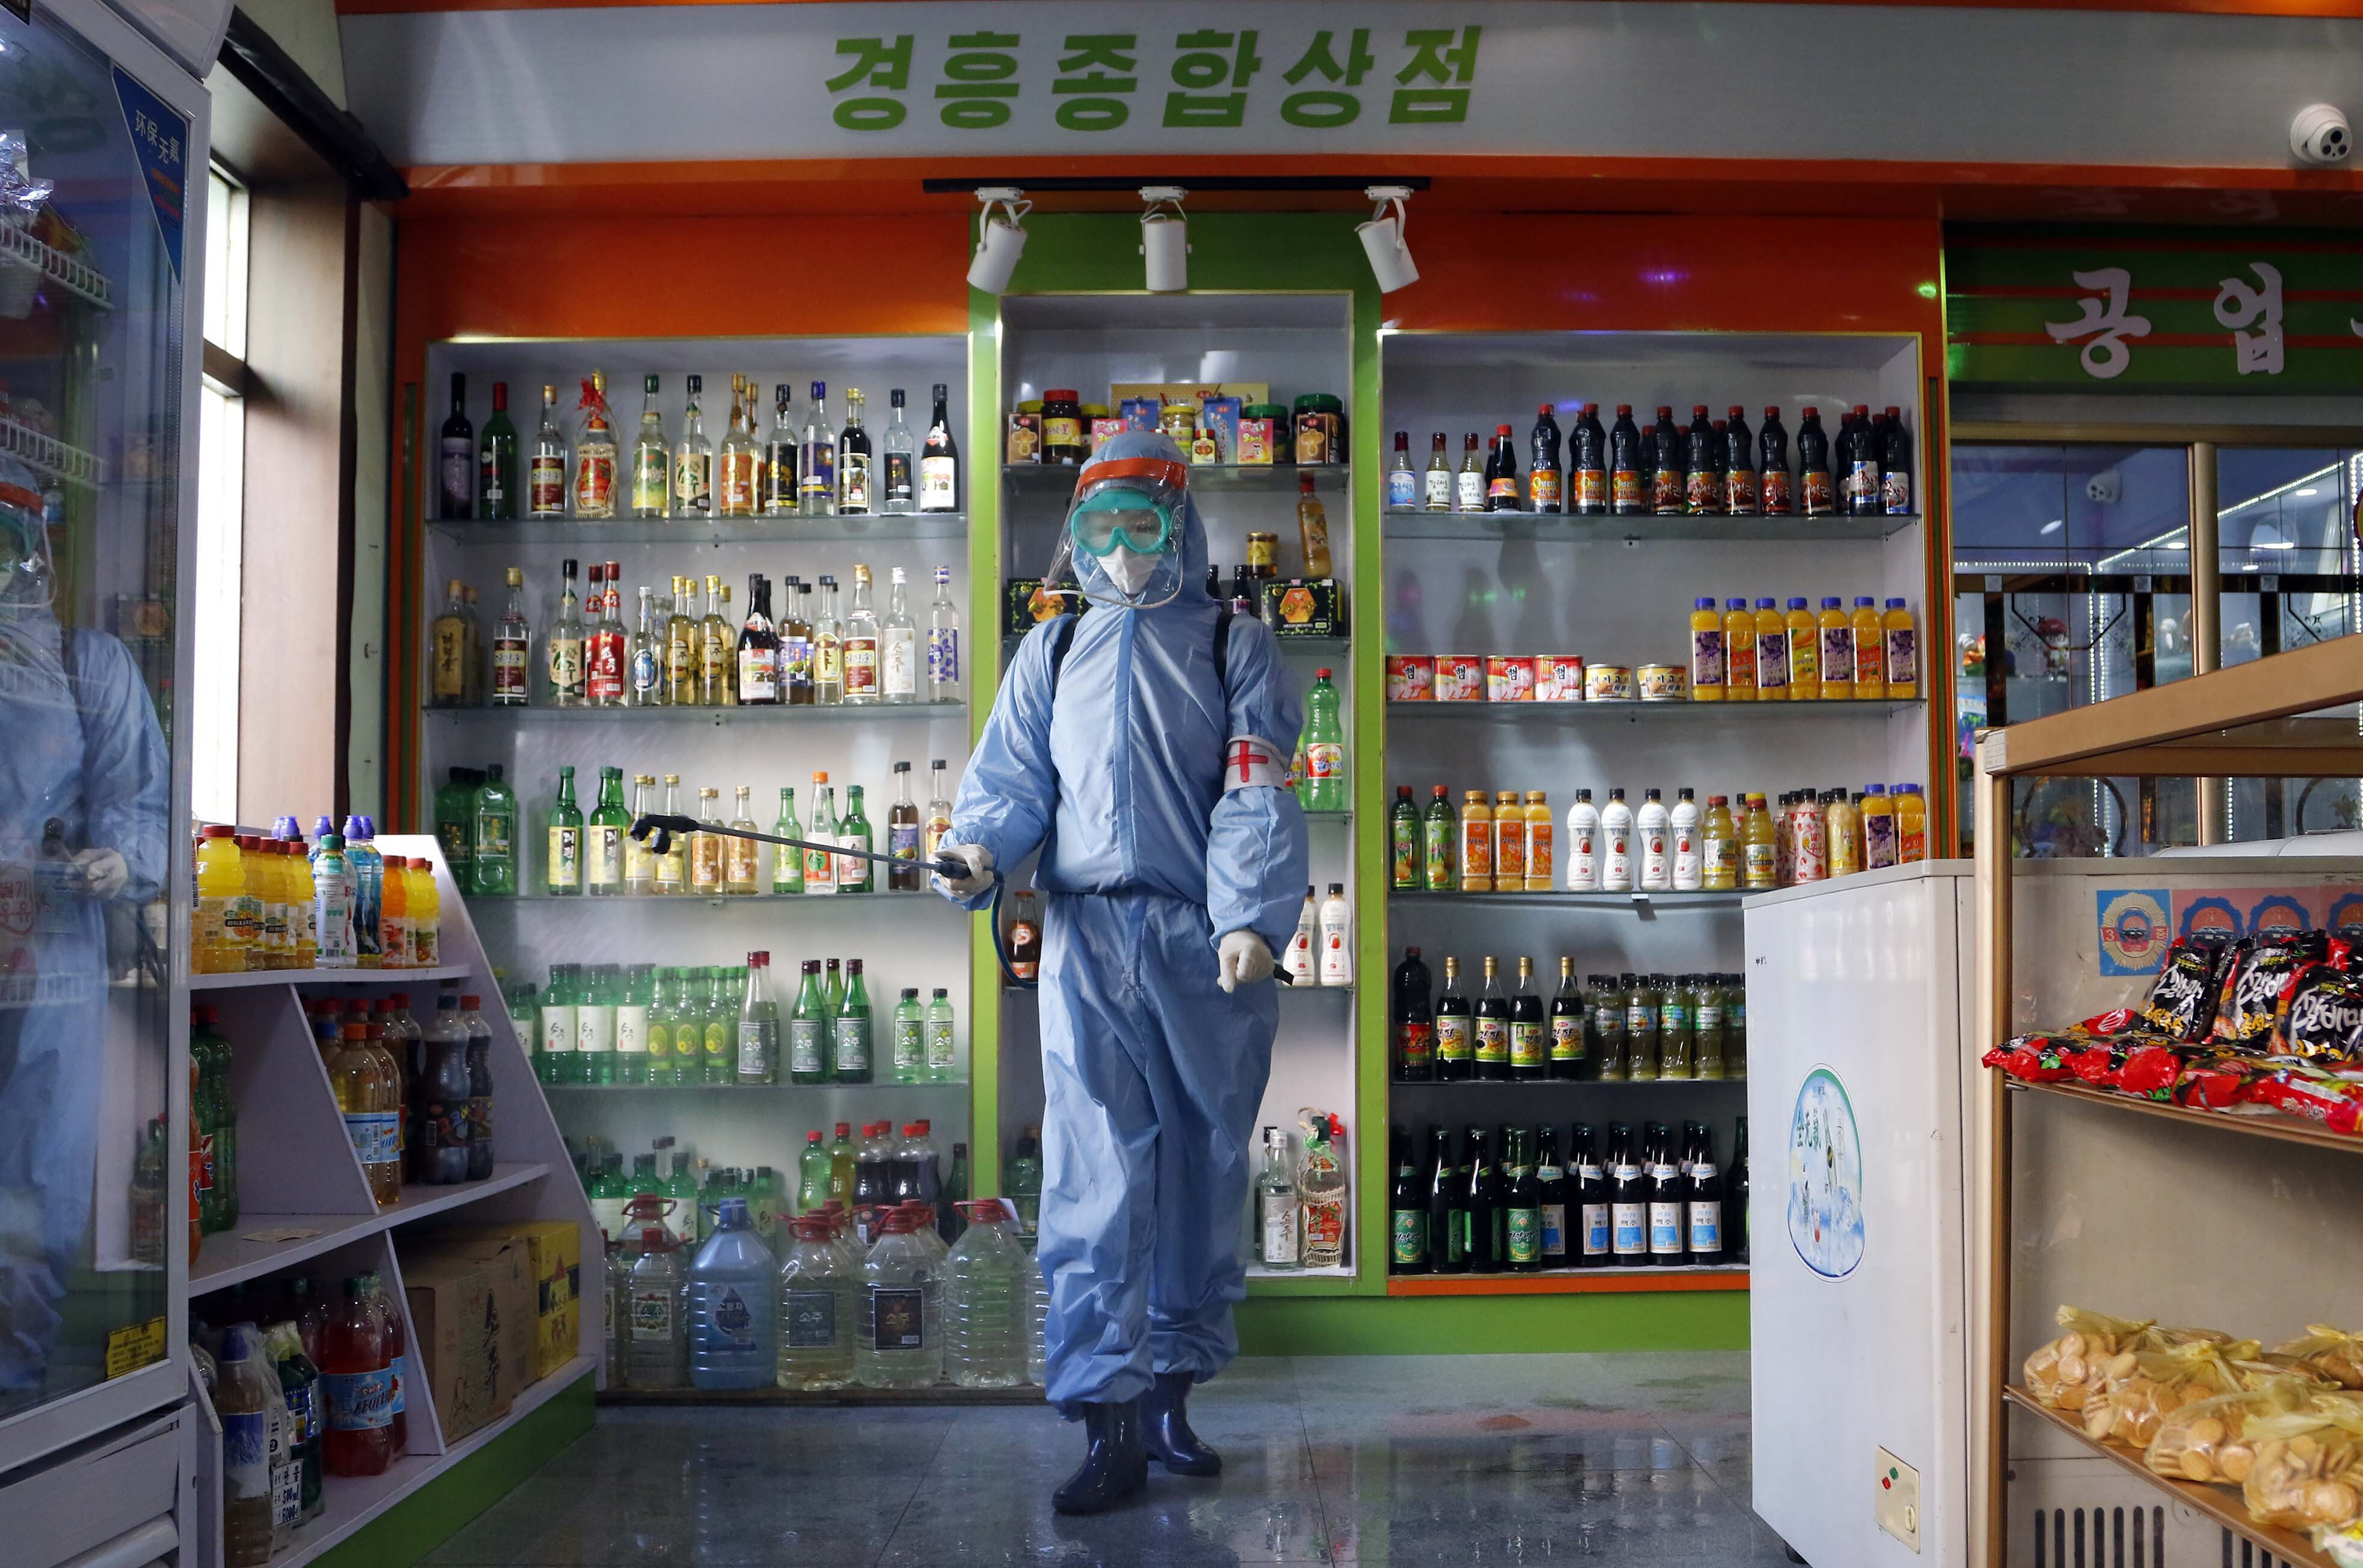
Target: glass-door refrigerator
(103, 142)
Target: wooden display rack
(2246, 722)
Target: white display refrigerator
(101, 246)
(1859, 995)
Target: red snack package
(2030, 1059)
(2213, 1083)
(2302, 1092)
(2253, 985)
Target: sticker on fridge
(1825, 1177)
(2133, 929)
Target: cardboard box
(553, 1278)
(462, 1332)
(1304, 607)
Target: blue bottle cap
(285, 828)
(1765, 605)
(1739, 603)
(820, 390)
(1797, 602)
(1704, 602)
(1863, 600)
(369, 827)
(1832, 601)
(1874, 789)
(322, 825)
(734, 1211)
(355, 830)
(1894, 603)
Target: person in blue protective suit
(1144, 747)
(86, 792)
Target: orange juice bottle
(1838, 650)
(1540, 863)
(393, 917)
(217, 946)
(1759, 846)
(1869, 650)
(1738, 651)
(1805, 649)
(1509, 843)
(1911, 824)
(1708, 670)
(425, 916)
(1903, 639)
(250, 903)
(1773, 678)
(1476, 843)
(1879, 849)
(1719, 837)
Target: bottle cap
(1624, 411)
(1811, 412)
(1738, 604)
(1697, 410)
(1704, 602)
(1874, 789)
(1894, 603)
(1765, 604)
(1320, 674)
(1864, 601)
(1832, 601)
(1797, 602)
(1500, 430)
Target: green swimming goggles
(1118, 516)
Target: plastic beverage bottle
(1842, 823)
(391, 1324)
(656, 1348)
(1406, 870)
(1336, 964)
(1616, 844)
(1805, 649)
(302, 914)
(1509, 843)
(1682, 828)
(1541, 868)
(899, 1343)
(818, 1293)
(1869, 650)
(988, 1301)
(1707, 670)
(1476, 843)
(439, 1101)
(1582, 844)
(277, 905)
(332, 905)
(1836, 650)
(1759, 847)
(1911, 824)
(1880, 847)
(426, 916)
(368, 882)
(1654, 840)
(245, 1392)
(1773, 681)
(394, 913)
(492, 862)
(357, 1377)
(1037, 1360)
(1438, 835)
(1719, 846)
(1902, 639)
(942, 1037)
(1810, 860)
(1784, 840)
(1325, 748)
(355, 1078)
(733, 1343)
(299, 1386)
(1738, 651)
(1299, 959)
(219, 945)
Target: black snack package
(2253, 985)
(2320, 1014)
(2182, 1003)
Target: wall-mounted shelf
(1459, 1086)
(2249, 1121)
(781, 713)
(1546, 527)
(1561, 900)
(1040, 478)
(813, 903)
(244, 979)
(1687, 711)
(590, 535)
(1576, 1282)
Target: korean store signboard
(2155, 310)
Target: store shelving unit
(2199, 1174)
(1618, 590)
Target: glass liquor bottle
(1492, 1030)
(758, 647)
(718, 648)
(903, 835)
(609, 830)
(787, 865)
(647, 660)
(1454, 1028)
(828, 648)
(705, 844)
(940, 812)
(779, 458)
(447, 641)
(605, 648)
(651, 458)
(594, 453)
(808, 1034)
(795, 646)
(672, 866)
(1469, 484)
(566, 684)
(496, 461)
(457, 468)
(854, 479)
(820, 866)
(854, 873)
(759, 1025)
(860, 657)
(562, 865)
(816, 460)
(850, 1053)
(513, 649)
(693, 462)
(1529, 1039)
(899, 489)
(736, 493)
(944, 675)
(898, 646)
(545, 470)
(639, 861)
(1436, 493)
(940, 460)
(1278, 1224)
(680, 646)
(742, 858)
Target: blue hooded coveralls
(1153, 1074)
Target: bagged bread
(2305, 1469)
(2206, 1439)
(2140, 1389)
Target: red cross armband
(1250, 761)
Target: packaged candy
(2328, 1354)
(2320, 1015)
(2139, 1389)
(2182, 1003)
(2305, 1471)
(2206, 1439)
(2253, 982)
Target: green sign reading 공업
(2154, 310)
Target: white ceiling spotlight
(1165, 239)
(1383, 237)
(1001, 239)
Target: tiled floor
(1629, 1459)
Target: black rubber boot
(1114, 1466)
(1171, 1442)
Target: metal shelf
(1577, 1282)
(1497, 527)
(1223, 479)
(1462, 1085)
(550, 1088)
(85, 283)
(477, 901)
(1634, 712)
(46, 454)
(1561, 900)
(774, 714)
(1317, 647)
(356, 976)
(2269, 1124)
(595, 533)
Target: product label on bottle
(1281, 1242)
(566, 665)
(1761, 865)
(545, 485)
(943, 656)
(594, 1029)
(896, 1317)
(565, 863)
(1628, 1225)
(1543, 485)
(1860, 486)
(1524, 1234)
(1476, 851)
(898, 670)
(942, 1048)
(810, 1319)
(852, 871)
(1777, 496)
(1493, 1040)
(376, 1135)
(851, 1048)
(459, 469)
(758, 1048)
(729, 1323)
(1870, 666)
(1554, 1220)
(632, 1029)
(1408, 1241)
(1594, 1235)
(651, 1313)
(650, 491)
(705, 863)
(1436, 841)
(1772, 660)
(805, 1054)
(939, 483)
(1452, 1037)
(603, 856)
(1469, 490)
(861, 666)
(1526, 1048)
(692, 482)
(558, 1029)
(910, 1048)
(1702, 492)
(1415, 1047)
(1665, 1228)
(1818, 500)
(605, 670)
(1879, 849)
(759, 675)
(736, 498)
(1706, 657)
(1566, 1037)
(358, 1401)
(820, 872)
(1896, 492)
(794, 661)
(647, 672)
(595, 480)
(853, 482)
(1739, 490)
(1837, 653)
(1510, 854)
(1436, 490)
(1324, 1230)
(508, 670)
(1324, 761)
(1665, 490)
(1501, 492)
(1902, 656)
(739, 862)
(1402, 489)
(1654, 870)
(1617, 869)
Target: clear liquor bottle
(672, 866)
(940, 812)
(681, 645)
(903, 835)
(513, 649)
(899, 491)
(795, 644)
(828, 648)
(816, 460)
(742, 869)
(693, 462)
(705, 844)
(940, 460)
(647, 655)
(604, 669)
(447, 640)
(566, 637)
(820, 866)
(718, 648)
(651, 458)
(594, 453)
(545, 470)
(944, 674)
(737, 493)
(855, 495)
(862, 661)
(1279, 1227)
(779, 458)
(639, 861)
(787, 865)
(898, 647)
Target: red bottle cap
(1623, 410)
(1697, 410)
(1502, 430)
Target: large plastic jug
(988, 1301)
(732, 1341)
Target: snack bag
(2132, 1065)
(2207, 1439)
(2305, 1091)
(2253, 983)
(2304, 1473)
(2328, 1354)
(2141, 1388)
(2062, 1373)
(2215, 1083)
(2031, 1059)
(2182, 1003)
(2320, 1015)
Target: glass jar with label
(1062, 427)
(1320, 428)
(1179, 421)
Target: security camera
(2320, 136)
(2105, 488)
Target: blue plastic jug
(732, 1339)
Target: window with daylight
(221, 506)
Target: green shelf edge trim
(435, 1513)
(1466, 1324)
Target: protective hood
(1134, 481)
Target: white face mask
(1129, 569)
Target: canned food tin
(1411, 677)
(1608, 683)
(1460, 677)
(1558, 677)
(1664, 683)
(1509, 677)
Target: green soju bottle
(850, 1058)
(788, 865)
(603, 846)
(910, 1038)
(563, 865)
(943, 1043)
(759, 1025)
(492, 864)
(632, 1013)
(832, 993)
(809, 1031)
(659, 1052)
(721, 1062)
(853, 873)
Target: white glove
(979, 861)
(104, 872)
(1242, 958)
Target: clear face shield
(1122, 544)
